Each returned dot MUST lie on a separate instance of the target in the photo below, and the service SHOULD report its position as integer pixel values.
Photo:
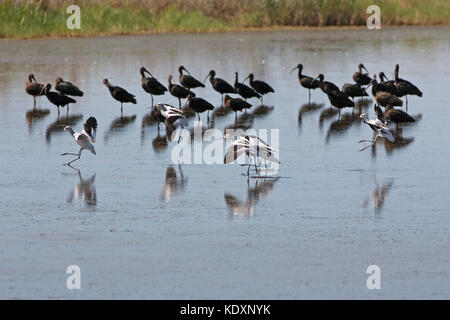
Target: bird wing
(234, 151)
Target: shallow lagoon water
(139, 226)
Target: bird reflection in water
(261, 110)
(361, 104)
(244, 122)
(342, 124)
(326, 114)
(308, 108)
(85, 190)
(378, 196)
(118, 124)
(246, 208)
(173, 184)
(33, 115)
(399, 143)
(59, 125)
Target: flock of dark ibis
(387, 93)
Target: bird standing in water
(84, 138)
(259, 86)
(151, 85)
(34, 89)
(67, 88)
(379, 128)
(58, 99)
(119, 94)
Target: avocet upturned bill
(84, 138)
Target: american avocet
(379, 128)
(84, 138)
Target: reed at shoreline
(47, 18)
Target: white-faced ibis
(354, 90)
(383, 98)
(178, 91)
(405, 87)
(171, 117)
(58, 99)
(250, 145)
(340, 100)
(119, 94)
(379, 128)
(220, 85)
(84, 138)
(259, 86)
(243, 90)
(360, 77)
(151, 84)
(199, 105)
(236, 104)
(187, 80)
(387, 85)
(33, 88)
(326, 86)
(305, 81)
(67, 88)
(397, 116)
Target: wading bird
(199, 105)
(119, 94)
(236, 104)
(405, 87)
(340, 100)
(67, 88)
(379, 128)
(58, 99)
(220, 85)
(34, 89)
(151, 85)
(326, 86)
(171, 117)
(259, 86)
(360, 77)
(387, 85)
(188, 81)
(243, 90)
(397, 116)
(252, 146)
(178, 91)
(383, 98)
(84, 138)
(306, 81)
(354, 90)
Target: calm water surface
(139, 226)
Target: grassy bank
(40, 18)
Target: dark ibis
(218, 84)
(187, 80)
(236, 104)
(58, 99)
(67, 88)
(243, 90)
(151, 85)
(405, 87)
(305, 81)
(340, 100)
(397, 116)
(199, 105)
(178, 91)
(360, 77)
(387, 85)
(354, 90)
(259, 86)
(383, 98)
(34, 89)
(119, 94)
(326, 86)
